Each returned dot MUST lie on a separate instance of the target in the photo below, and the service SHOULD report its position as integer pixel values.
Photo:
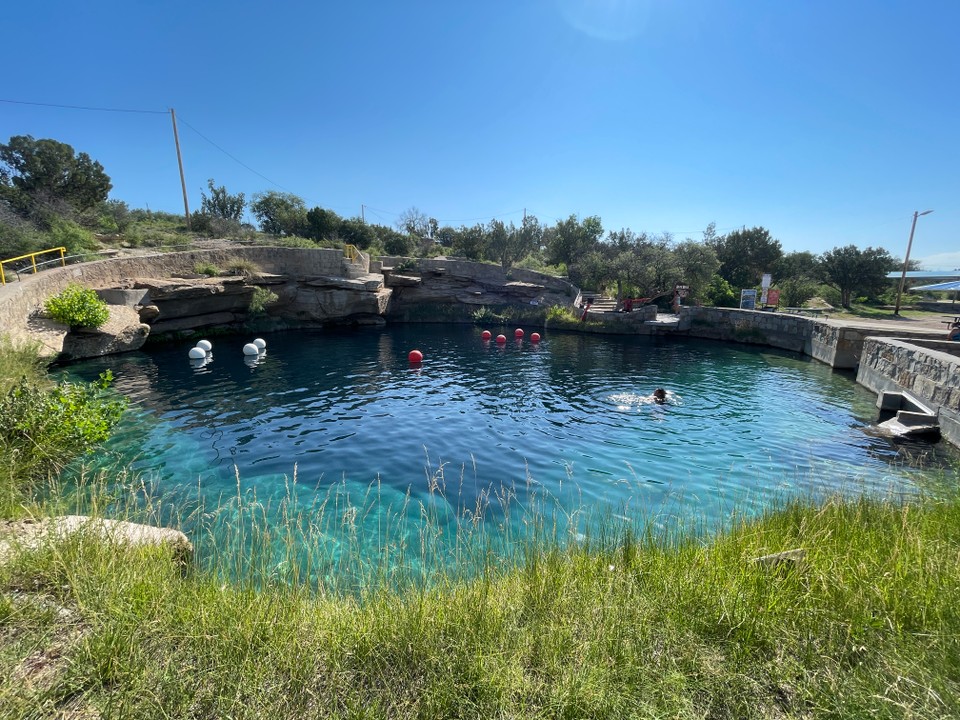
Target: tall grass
(865, 626)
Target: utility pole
(183, 182)
(362, 218)
(906, 259)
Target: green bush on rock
(77, 307)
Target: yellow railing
(351, 252)
(33, 260)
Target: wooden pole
(183, 182)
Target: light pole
(906, 260)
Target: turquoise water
(333, 452)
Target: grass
(867, 626)
(870, 312)
(629, 622)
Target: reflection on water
(567, 423)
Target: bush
(261, 299)
(71, 236)
(559, 312)
(78, 306)
(44, 428)
(242, 266)
(829, 295)
(796, 291)
(721, 294)
(484, 316)
(206, 268)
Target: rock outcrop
(469, 285)
(122, 332)
(30, 534)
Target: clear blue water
(505, 439)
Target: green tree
(851, 270)
(795, 291)
(221, 204)
(40, 174)
(356, 232)
(114, 215)
(280, 213)
(323, 224)
(573, 238)
(395, 243)
(509, 244)
(469, 242)
(745, 255)
(697, 263)
(796, 266)
(721, 294)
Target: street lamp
(906, 260)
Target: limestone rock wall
(463, 286)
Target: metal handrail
(351, 252)
(33, 261)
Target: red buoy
(486, 334)
(518, 333)
(415, 356)
(535, 337)
(501, 338)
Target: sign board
(773, 297)
(765, 283)
(748, 299)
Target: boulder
(149, 313)
(31, 534)
(122, 332)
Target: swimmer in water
(659, 396)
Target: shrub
(71, 236)
(242, 266)
(484, 315)
(206, 268)
(559, 312)
(45, 427)
(721, 294)
(261, 299)
(795, 292)
(78, 306)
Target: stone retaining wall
(931, 375)
(756, 327)
(21, 300)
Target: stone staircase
(601, 303)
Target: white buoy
(197, 353)
(260, 343)
(206, 345)
(251, 349)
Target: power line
(85, 107)
(235, 159)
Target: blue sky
(828, 123)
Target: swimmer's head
(660, 395)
